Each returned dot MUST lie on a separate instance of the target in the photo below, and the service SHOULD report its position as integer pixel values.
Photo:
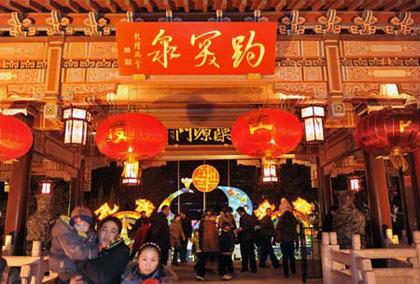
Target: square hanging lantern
(76, 122)
(389, 90)
(269, 171)
(314, 129)
(131, 173)
(355, 183)
(46, 186)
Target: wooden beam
(46, 4)
(25, 5)
(242, 6)
(87, 5)
(410, 5)
(354, 4)
(66, 4)
(281, 5)
(146, 4)
(125, 5)
(6, 4)
(204, 5)
(107, 4)
(296, 4)
(186, 6)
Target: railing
(355, 265)
(32, 268)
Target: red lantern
(131, 136)
(266, 133)
(388, 131)
(15, 138)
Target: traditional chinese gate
(310, 250)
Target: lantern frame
(131, 174)
(46, 186)
(76, 124)
(354, 183)
(269, 171)
(389, 90)
(313, 117)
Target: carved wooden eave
(294, 22)
(194, 6)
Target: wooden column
(377, 190)
(321, 190)
(17, 200)
(414, 159)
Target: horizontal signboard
(199, 136)
(196, 48)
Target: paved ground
(186, 275)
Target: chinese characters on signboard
(199, 136)
(196, 48)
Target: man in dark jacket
(246, 236)
(186, 227)
(113, 258)
(287, 227)
(159, 233)
(266, 235)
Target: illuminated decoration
(6, 186)
(128, 219)
(46, 186)
(105, 210)
(172, 196)
(131, 136)
(237, 198)
(205, 178)
(196, 48)
(262, 207)
(76, 123)
(303, 206)
(269, 170)
(389, 90)
(313, 119)
(15, 138)
(131, 174)
(355, 183)
(389, 131)
(266, 133)
(145, 205)
(186, 182)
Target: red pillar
(415, 173)
(377, 190)
(20, 182)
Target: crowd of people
(79, 255)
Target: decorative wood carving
(364, 25)
(293, 24)
(20, 27)
(328, 24)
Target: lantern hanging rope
(390, 131)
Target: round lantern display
(205, 178)
(15, 138)
(131, 136)
(389, 131)
(266, 133)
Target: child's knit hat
(83, 213)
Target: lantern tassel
(398, 161)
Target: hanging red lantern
(389, 130)
(131, 136)
(266, 133)
(15, 138)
